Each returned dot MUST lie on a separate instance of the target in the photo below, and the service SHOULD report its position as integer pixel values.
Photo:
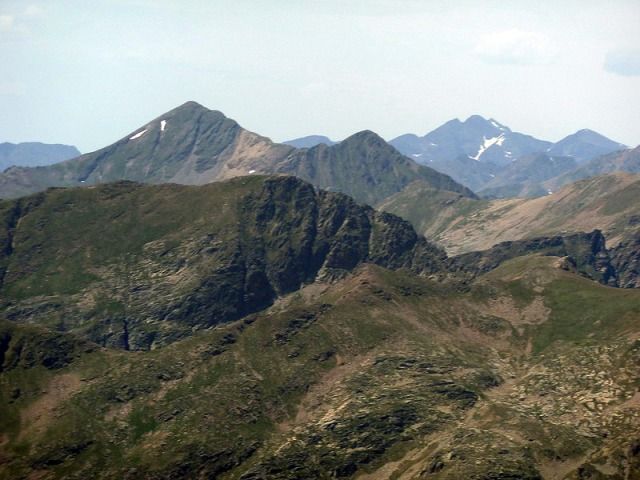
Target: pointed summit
(189, 144)
(188, 106)
(192, 105)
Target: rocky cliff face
(585, 253)
(625, 258)
(289, 235)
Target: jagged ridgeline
(194, 145)
(287, 332)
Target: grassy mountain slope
(530, 374)
(193, 145)
(138, 266)
(607, 202)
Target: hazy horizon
(89, 75)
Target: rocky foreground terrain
(262, 329)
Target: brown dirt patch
(506, 308)
(319, 401)
(35, 418)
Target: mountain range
(193, 145)
(492, 160)
(33, 154)
(198, 301)
(262, 328)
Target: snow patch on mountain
(138, 135)
(488, 143)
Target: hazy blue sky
(89, 72)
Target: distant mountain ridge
(194, 145)
(490, 158)
(34, 154)
(478, 138)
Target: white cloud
(515, 46)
